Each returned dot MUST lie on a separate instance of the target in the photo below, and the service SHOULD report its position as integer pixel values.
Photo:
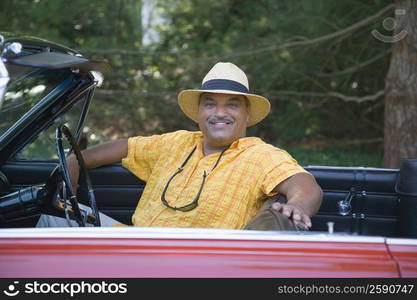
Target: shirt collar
(239, 144)
(245, 142)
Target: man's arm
(304, 198)
(97, 156)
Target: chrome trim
(401, 241)
(12, 49)
(183, 233)
(350, 168)
(4, 79)
(98, 77)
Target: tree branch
(129, 94)
(330, 94)
(353, 68)
(323, 38)
(297, 43)
(125, 93)
(127, 52)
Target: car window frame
(77, 132)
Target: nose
(220, 111)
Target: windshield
(27, 87)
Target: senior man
(216, 177)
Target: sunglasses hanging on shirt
(194, 203)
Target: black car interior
(358, 201)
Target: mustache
(216, 119)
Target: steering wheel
(80, 218)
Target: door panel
(24, 173)
(117, 190)
(374, 205)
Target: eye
(233, 105)
(208, 104)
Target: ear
(247, 117)
(247, 110)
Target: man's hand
(295, 213)
(304, 197)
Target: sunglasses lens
(188, 207)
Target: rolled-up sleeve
(278, 165)
(142, 154)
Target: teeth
(211, 122)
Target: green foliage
(239, 31)
(139, 95)
(352, 156)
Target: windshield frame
(55, 88)
(45, 112)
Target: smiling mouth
(220, 124)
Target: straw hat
(224, 78)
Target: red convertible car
(366, 226)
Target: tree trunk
(400, 131)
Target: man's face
(222, 118)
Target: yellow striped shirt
(232, 194)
